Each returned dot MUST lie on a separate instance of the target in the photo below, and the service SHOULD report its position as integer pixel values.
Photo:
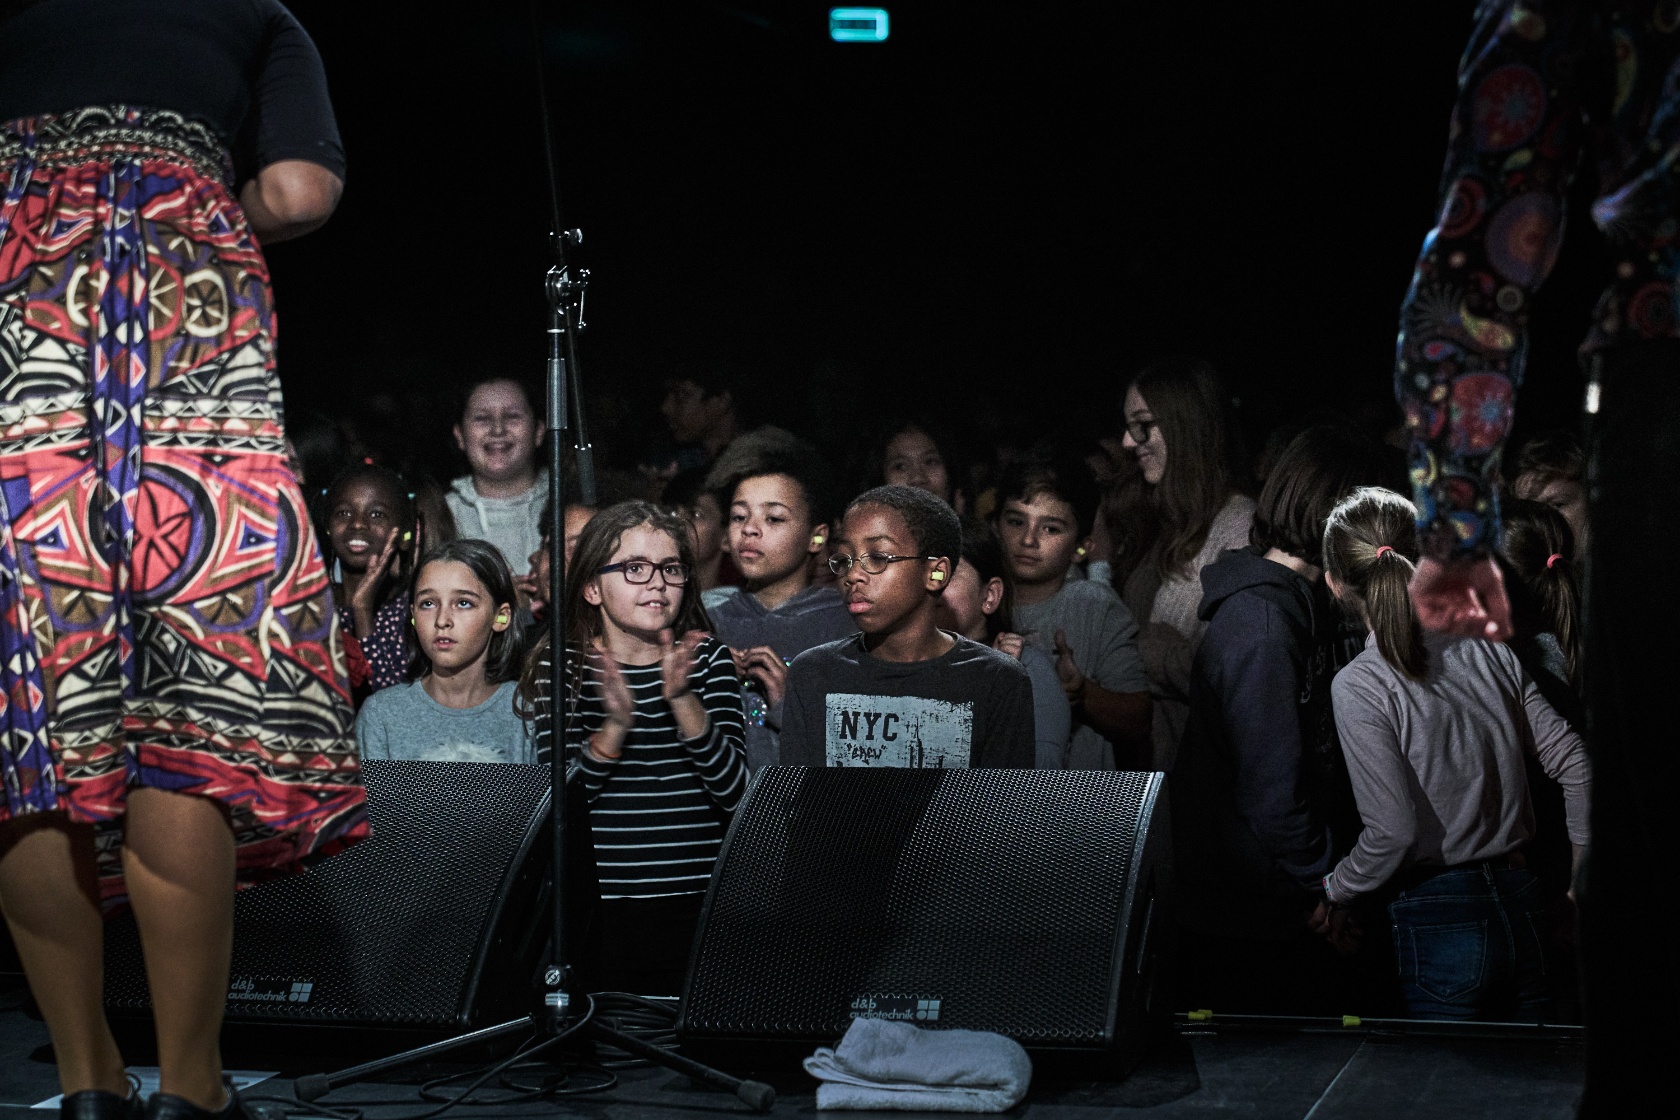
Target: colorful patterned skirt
(165, 618)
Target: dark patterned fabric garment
(1541, 82)
(386, 650)
(164, 611)
(658, 813)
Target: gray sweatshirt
(1438, 765)
(811, 618)
(514, 525)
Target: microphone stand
(564, 1012)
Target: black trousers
(1630, 901)
(645, 944)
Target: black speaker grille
(989, 900)
(386, 932)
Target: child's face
(363, 516)
(690, 412)
(913, 459)
(577, 520)
(881, 603)
(455, 616)
(968, 602)
(706, 518)
(770, 530)
(499, 433)
(1039, 537)
(639, 609)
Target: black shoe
(96, 1104)
(167, 1106)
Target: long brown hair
(1536, 545)
(1370, 546)
(1167, 523)
(595, 547)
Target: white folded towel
(882, 1064)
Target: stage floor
(1363, 1075)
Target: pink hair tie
(1553, 559)
(1387, 548)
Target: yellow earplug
(1080, 553)
(502, 618)
(936, 575)
(818, 539)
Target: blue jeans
(1471, 944)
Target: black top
(244, 67)
(845, 707)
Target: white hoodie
(513, 525)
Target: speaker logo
(910, 1010)
(247, 989)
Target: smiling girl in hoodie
(501, 501)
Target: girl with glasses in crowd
(654, 728)
(1172, 519)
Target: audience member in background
(1187, 511)
(471, 645)
(316, 448)
(702, 407)
(1435, 729)
(1535, 550)
(903, 692)
(1261, 805)
(915, 453)
(1541, 578)
(501, 499)
(656, 735)
(1046, 511)
(979, 604)
(372, 526)
(778, 518)
(715, 574)
(1552, 468)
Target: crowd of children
(1366, 817)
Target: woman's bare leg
(179, 862)
(50, 893)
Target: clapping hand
(1012, 644)
(1073, 681)
(676, 662)
(764, 665)
(608, 743)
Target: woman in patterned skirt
(174, 714)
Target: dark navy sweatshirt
(1261, 803)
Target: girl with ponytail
(1436, 729)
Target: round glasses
(641, 571)
(1139, 430)
(873, 563)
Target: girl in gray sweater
(1436, 730)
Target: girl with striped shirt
(654, 733)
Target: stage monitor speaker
(435, 923)
(1031, 903)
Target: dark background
(1000, 213)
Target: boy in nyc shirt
(903, 692)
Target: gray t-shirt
(1052, 717)
(1103, 637)
(405, 722)
(972, 706)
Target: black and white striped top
(658, 812)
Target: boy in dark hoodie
(778, 520)
(1261, 803)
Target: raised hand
(1073, 681)
(676, 662)
(364, 601)
(615, 694)
(1463, 596)
(766, 666)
